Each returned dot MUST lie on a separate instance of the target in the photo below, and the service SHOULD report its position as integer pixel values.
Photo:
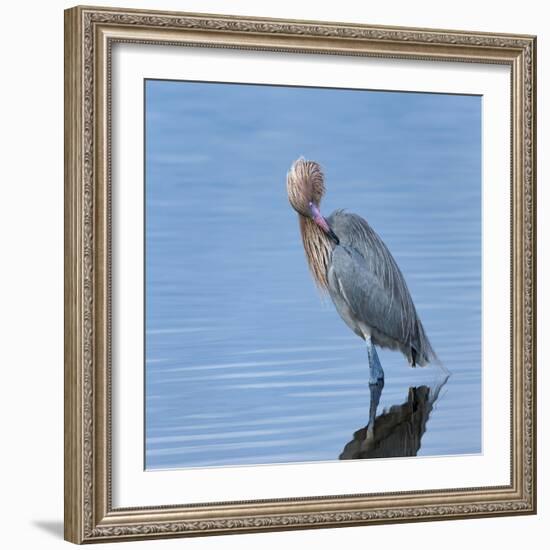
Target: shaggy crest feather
(305, 184)
(317, 249)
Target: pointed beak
(322, 223)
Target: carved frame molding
(89, 35)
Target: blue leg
(376, 373)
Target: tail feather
(422, 352)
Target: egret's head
(305, 186)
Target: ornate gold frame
(89, 35)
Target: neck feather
(317, 248)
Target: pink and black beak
(322, 223)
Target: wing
(373, 287)
(370, 303)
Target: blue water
(245, 363)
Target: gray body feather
(370, 292)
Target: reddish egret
(350, 261)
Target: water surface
(245, 364)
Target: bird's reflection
(397, 431)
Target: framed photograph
(299, 274)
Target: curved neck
(317, 248)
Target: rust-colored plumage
(317, 249)
(305, 184)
